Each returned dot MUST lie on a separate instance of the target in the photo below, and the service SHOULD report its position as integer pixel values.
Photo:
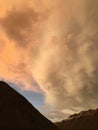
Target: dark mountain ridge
(85, 120)
(16, 113)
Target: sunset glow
(50, 48)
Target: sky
(48, 52)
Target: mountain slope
(16, 113)
(86, 120)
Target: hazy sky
(48, 52)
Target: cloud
(20, 35)
(56, 45)
(18, 24)
(68, 69)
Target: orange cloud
(16, 47)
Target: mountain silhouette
(85, 120)
(16, 113)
